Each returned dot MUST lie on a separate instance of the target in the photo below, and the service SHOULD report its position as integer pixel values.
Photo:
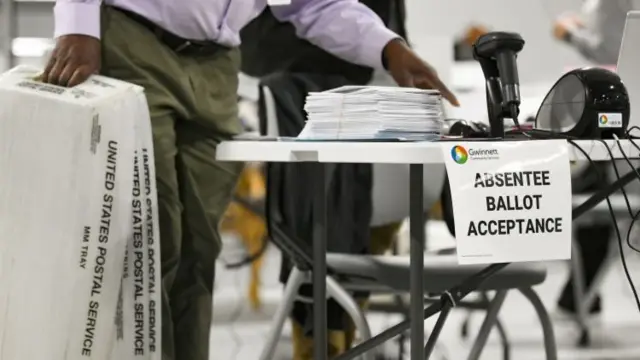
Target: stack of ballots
(79, 247)
(373, 112)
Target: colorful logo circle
(604, 119)
(459, 154)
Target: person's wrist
(567, 37)
(396, 44)
(73, 18)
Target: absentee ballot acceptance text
(511, 200)
(514, 202)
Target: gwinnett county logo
(604, 119)
(459, 154)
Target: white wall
(543, 58)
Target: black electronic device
(469, 129)
(497, 54)
(588, 103)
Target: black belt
(176, 43)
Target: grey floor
(238, 332)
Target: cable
(251, 258)
(612, 213)
(625, 196)
(514, 109)
(634, 217)
(530, 134)
(635, 127)
(615, 224)
(615, 169)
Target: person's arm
(345, 28)
(598, 33)
(77, 53)
(77, 17)
(355, 33)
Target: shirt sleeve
(603, 24)
(77, 17)
(345, 28)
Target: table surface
(427, 152)
(376, 152)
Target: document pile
(370, 112)
(79, 247)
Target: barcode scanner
(497, 54)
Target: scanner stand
(495, 105)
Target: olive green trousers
(193, 106)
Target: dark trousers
(594, 242)
(193, 106)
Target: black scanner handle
(497, 54)
(489, 67)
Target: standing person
(290, 75)
(185, 54)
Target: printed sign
(610, 120)
(511, 200)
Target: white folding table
(416, 154)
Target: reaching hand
(74, 59)
(563, 26)
(408, 70)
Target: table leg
(319, 264)
(435, 334)
(416, 217)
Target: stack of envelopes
(373, 112)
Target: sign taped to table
(511, 200)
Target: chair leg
(487, 325)
(547, 327)
(351, 307)
(296, 279)
(502, 332)
(506, 346)
(464, 328)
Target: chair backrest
(294, 250)
(390, 194)
(248, 87)
(271, 127)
